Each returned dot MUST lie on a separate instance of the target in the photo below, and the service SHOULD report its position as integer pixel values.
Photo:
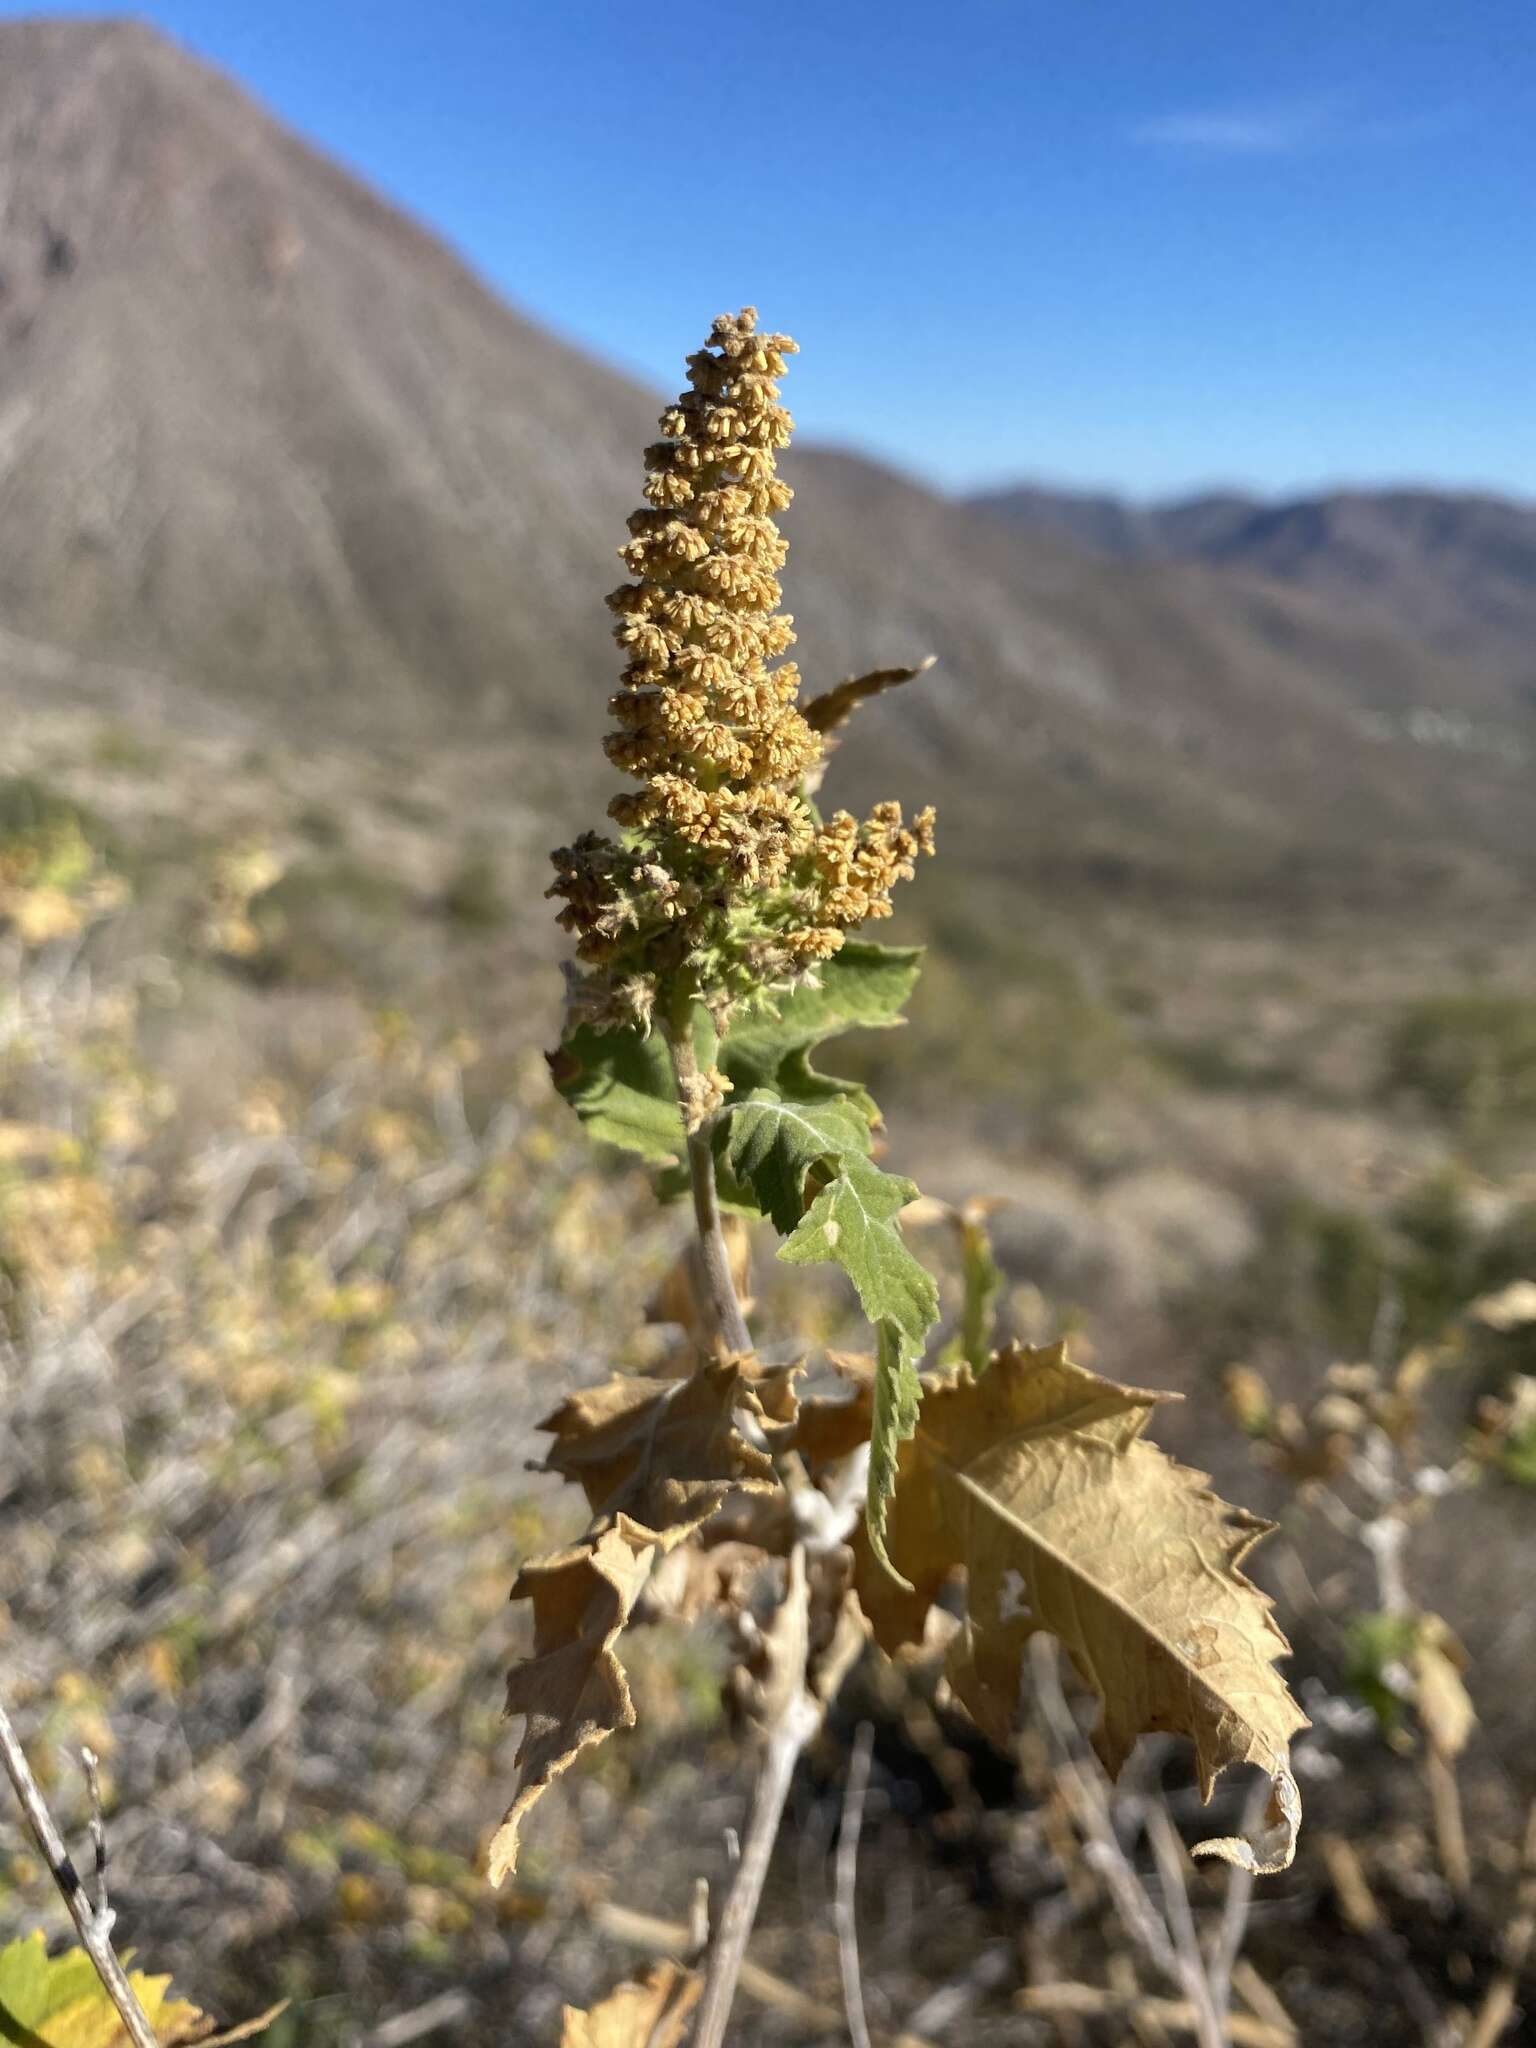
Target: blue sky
(1152, 244)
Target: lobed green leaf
(767, 1146)
(620, 1084)
(852, 1223)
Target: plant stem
(796, 1721)
(714, 1258)
(1450, 1830)
(844, 1910)
(94, 1928)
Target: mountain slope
(1454, 569)
(263, 438)
(256, 426)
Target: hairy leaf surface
(767, 1145)
(852, 1222)
(1035, 1480)
(863, 987)
(620, 1084)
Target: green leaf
(60, 2002)
(898, 1397)
(768, 1146)
(862, 987)
(852, 1222)
(620, 1084)
(982, 1278)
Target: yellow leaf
(59, 2002)
(1035, 1480)
(1445, 1707)
(650, 2011)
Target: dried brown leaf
(692, 1581)
(836, 706)
(573, 1689)
(1445, 1706)
(663, 1452)
(1035, 1480)
(648, 2011)
(655, 1458)
(828, 1428)
(809, 1644)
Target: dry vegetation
(289, 1279)
(1229, 1020)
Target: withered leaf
(572, 1689)
(648, 2011)
(664, 1452)
(829, 1428)
(1445, 1706)
(655, 1458)
(796, 1663)
(1035, 1479)
(836, 706)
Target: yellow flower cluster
(725, 879)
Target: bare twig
(446, 2010)
(93, 1927)
(1498, 2006)
(847, 1870)
(796, 1721)
(1451, 1849)
(1167, 1938)
(1360, 1912)
(1179, 2016)
(91, 1764)
(1168, 1851)
(1086, 1798)
(672, 1938)
(1260, 1998)
(1224, 1950)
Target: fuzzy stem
(714, 1258)
(93, 1927)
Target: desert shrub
(1471, 1058)
(472, 896)
(321, 923)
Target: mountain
(1454, 569)
(266, 443)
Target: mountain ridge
(267, 439)
(1459, 565)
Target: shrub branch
(93, 1924)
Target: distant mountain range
(266, 440)
(1456, 567)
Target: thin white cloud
(1249, 133)
(1284, 129)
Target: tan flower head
(725, 879)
